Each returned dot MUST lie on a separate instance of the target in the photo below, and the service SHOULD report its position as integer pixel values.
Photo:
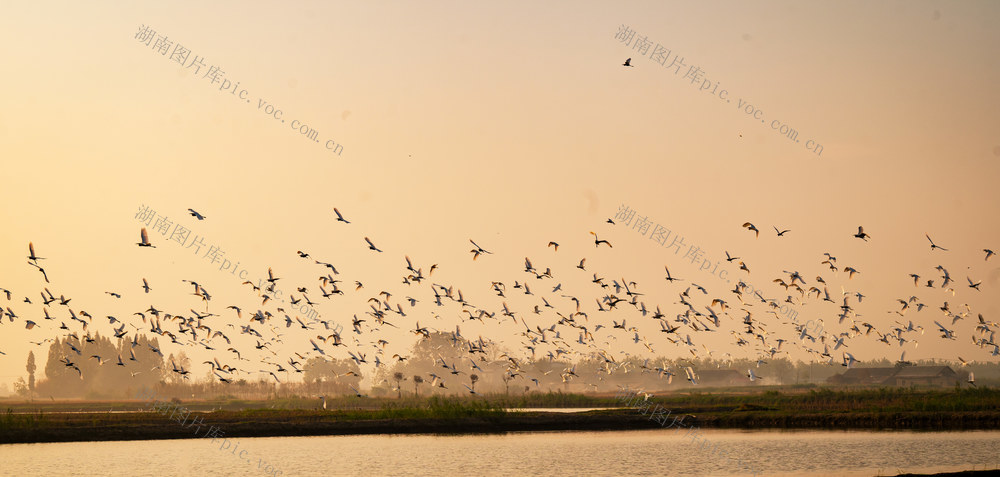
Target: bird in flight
(627, 62)
(934, 245)
(40, 269)
(974, 285)
(476, 252)
(598, 242)
(861, 234)
(989, 253)
(340, 218)
(750, 226)
(668, 277)
(371, 246)
(781, 233)
(553, 244)
(33, 258)
(196, 215)
(145, 239)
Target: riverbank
(68, 427)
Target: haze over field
(512, 125)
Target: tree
(398, 377)
(417, 380)
(31, 374)
(474, 378)
(20, 387)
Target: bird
(598, 242)
(371, 246)
(989, 253)
(628, 62)
(780, 233)
(752, 227)
(145, 285)
(861, 234)
(974, 285)
(934, 245)
(340, 218)
(730, 258)
(581, 266)
(668, 277)
(553, 244)
(42, 270)
(196, 215)
(145, 239)
(476, 252)
(33, 258)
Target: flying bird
(627, 62)
(752, 227)
(340, 218)
(989, 253)
(598, 242)
(781, 233)
(553, 244)
(145, 239)
(934, 245)
(861, 234)
(196, 215)
(476, 252)
(371, 246)
(33, 258)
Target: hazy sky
(513, 124)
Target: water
(652, 452)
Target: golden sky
(513, 124)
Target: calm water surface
(652, 452)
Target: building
(898, 376)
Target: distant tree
(20, 387)
(31, 374)
(474, 378)
(417, 380)
(398, 377)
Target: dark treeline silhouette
(439, 364)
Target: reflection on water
(652, 452)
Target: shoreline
(147, 425)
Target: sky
(513, 125)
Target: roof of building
(924, 372)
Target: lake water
(647, 452)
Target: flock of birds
(553, 323)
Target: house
(924, 376)
(898, 376)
